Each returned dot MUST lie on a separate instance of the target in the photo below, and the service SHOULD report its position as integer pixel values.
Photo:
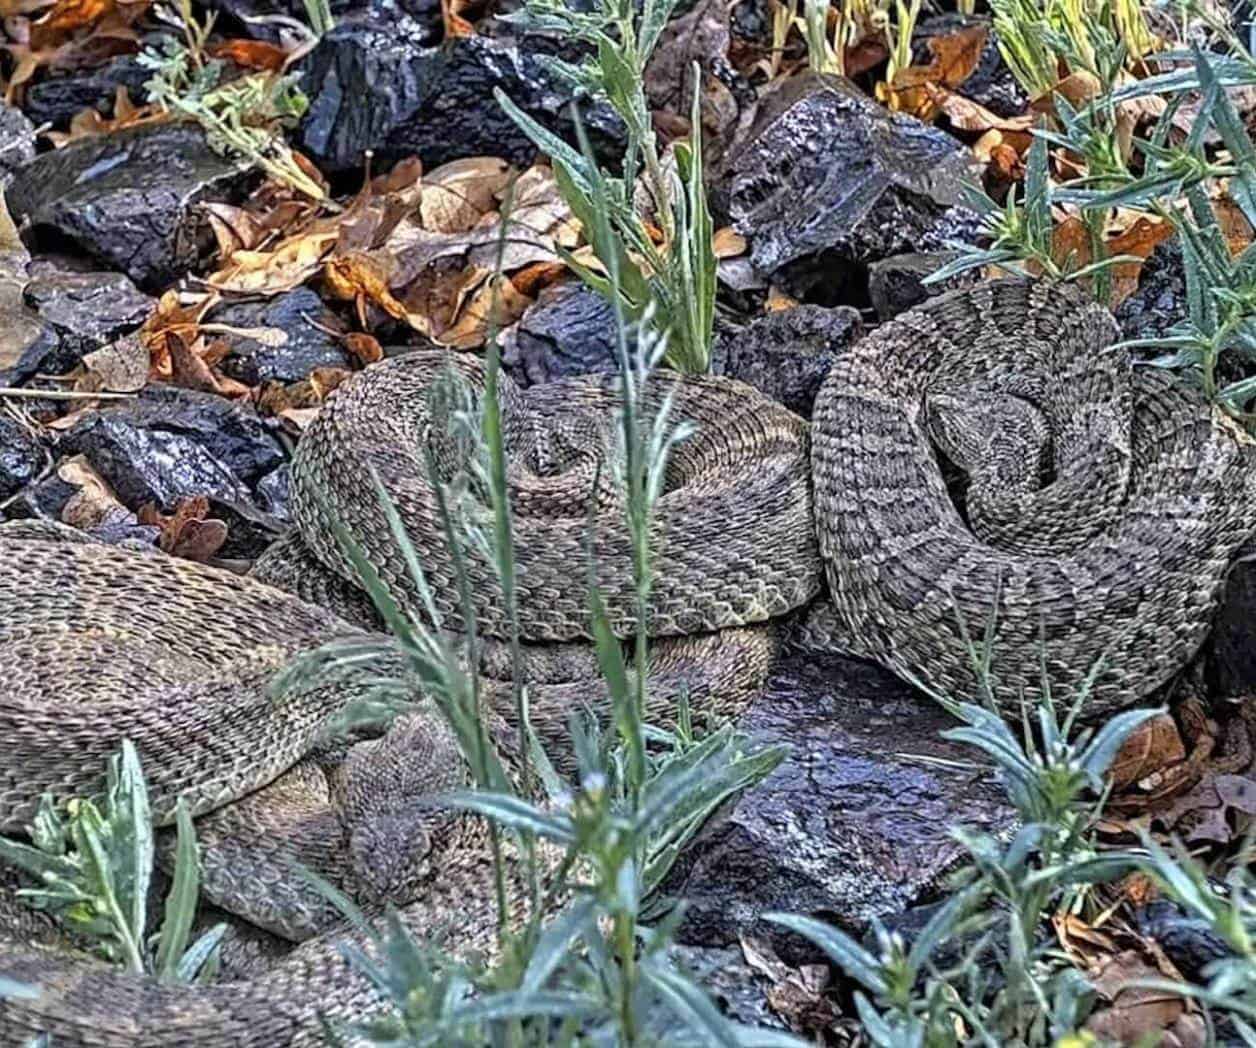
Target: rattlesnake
(1108, 504)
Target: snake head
(387, 798)
(393, 853)
(990, 434)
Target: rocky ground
(171, 319)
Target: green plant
(242, 117)
(96, 866)
(669, 284)
(1041, 40)
(318, 15)
(1176, 186)
(1020, 232)
(1002, 982)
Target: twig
(62, 394)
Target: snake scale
(1099, 509)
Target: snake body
(1101, 511)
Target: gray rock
(829, 181)
(379, 84)
(1160, 299)
(85, 310)
(17, 139)
(307, 346)
(22, 457)
(569, 330)
(787, 354)
(128, 199)
(897, 284)
(738, 990)
(854, 824)
(169, 444)
(57, 99)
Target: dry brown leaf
(955, 58)
(94, 503)
(1070, 248)
(189, 532)
(966, 115)
(1134, 1012)
(1234, 225)
(361, 278)
(497, 304)
(796, 994)
(1202, 814)
(728, 243)
(234, 228)
(176, 317)
(251, 54)
(66, 15)
(89, 122)
(285, 268)
(451, 15)
(365, 348)
(457, 195)
(533, 279)
(1153, 746)
(777, 301)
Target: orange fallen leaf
(360, 278)
(727, 243)
(531, 280)
(496, 304)
(955, 57)
(189, 532)
(777, 301)
(1234, 225)
(251, 54)
(364, 347)
(1152, 746)
(455, 24)
(74, 14)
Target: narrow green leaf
(182, 899)
(197, 956)
(847, 954)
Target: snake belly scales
(1102, 506)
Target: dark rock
(1232, 661)
(85, 310)
(787, 354)
(170, 444)
(897, 284)
(1190, 943)
(21, 457)
(295, 315)
(826, 181)
(751, 20)
(31, 347)
(1160, 299)
(128, 199)
(569, 330)
(254, 16)
(58, 98)
(991, 84)
(378, 84)
(854, 823)
(17, 139)
(738, 990)
(274, 493)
